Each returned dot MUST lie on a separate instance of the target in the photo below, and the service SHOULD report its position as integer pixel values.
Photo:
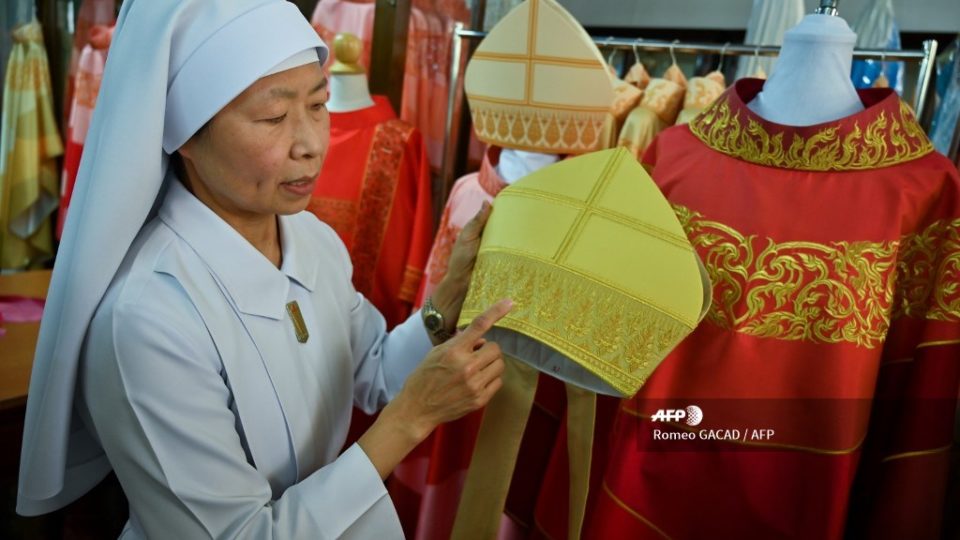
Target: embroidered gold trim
(887, 140)
(618, 338)
(341, 214)
(827, 293)
(376, 200)
(928, 274)
(542, 128)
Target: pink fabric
(86, 88)
(467, 196)
(91, 13)
(20, 309)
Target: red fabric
(385, 221)
(847, 412)
(73, 151)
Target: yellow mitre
(537, 82)
(599, 270)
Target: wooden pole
(389, 55)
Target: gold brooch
(293, 309)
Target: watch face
(432, 322)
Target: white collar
(252, 281)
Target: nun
(202, 337)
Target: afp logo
(692, 415)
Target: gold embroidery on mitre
(617, 336)
(889, 139)
(567, 133)
(827, 293)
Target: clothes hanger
(718, 73)
(636, 50)
(637, 75)
(723, 56)
(613, 52)
(760, 73)
(674, 73)
(882, 81)
(673, 55)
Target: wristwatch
(433, 321)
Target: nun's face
(261, 154)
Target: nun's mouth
(301, 186)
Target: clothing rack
(925, 57)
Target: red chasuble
(374, 190)
(827, 370)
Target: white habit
(193, 354)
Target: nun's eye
(276, 119)
(318, 106)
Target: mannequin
(515, 164)
(810, 83)
(348, 81)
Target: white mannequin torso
(810, 83)
(348, 92)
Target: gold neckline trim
(893, 136)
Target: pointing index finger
(485, 321)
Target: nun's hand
(448, 297)
(456, 377)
